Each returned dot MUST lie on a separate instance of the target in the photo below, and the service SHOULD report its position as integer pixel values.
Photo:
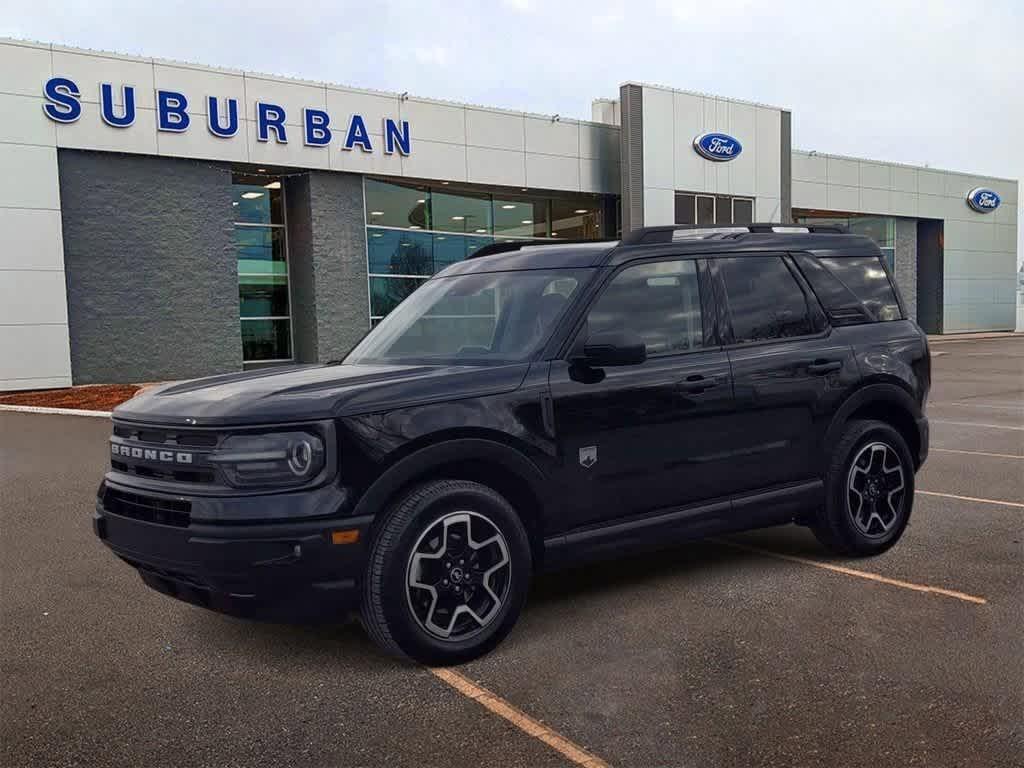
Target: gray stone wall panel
(150, 265)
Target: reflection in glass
(474, 319)
(395, 252)
(765, 301)
(263, 295)
(468, 212)
(258, 209)
(266, 340)
(396, 205)
(686, 209)
(521, 216)
(742, 211)
(254, 203)
(575, 219)
(705, 210)
(260, 250)
(386, 293)
(660, 302)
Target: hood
(309, 392)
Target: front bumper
(278, 571)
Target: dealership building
(164, 220)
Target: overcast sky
(936, 82)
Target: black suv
(530, 407)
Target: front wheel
(448, 573)
(870, 491)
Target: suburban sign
(63, 105)
(983, 200)
(717, 146)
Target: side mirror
(614, 348)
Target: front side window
(473, 319)
(765, 300)
(658, 301)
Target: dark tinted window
(765, 300)
(659, 301)
(866, 278)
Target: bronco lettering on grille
(151, 454)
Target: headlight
(274, 459)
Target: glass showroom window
(414, 230)
(881, 229)
(263, 299)
(693, 208)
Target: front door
(639, 438)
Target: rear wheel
(448, 573)
(870, 490)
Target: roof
(657, 241)
(537, 255)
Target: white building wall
(980, 249)
(34, 349)
(452, 142)
(671, 121)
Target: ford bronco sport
(534, 406)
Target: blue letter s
(62, 100)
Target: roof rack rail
(517, 245)
(676, 232)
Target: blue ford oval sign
(983, 200)
(717, 146)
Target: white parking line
(997, 502)
(979, 426)
(980, 453)
(978, 405)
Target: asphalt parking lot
(758, 649)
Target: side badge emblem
(588, 456)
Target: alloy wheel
(875, 490)
(458, 576)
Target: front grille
(169, 436)
(148, 509)
(155, 451)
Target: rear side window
(866, 278)
(765, 300)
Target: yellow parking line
(854, 572)
(980, 453)
(972, 498)
(518, 718)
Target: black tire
(838, 525)
(415, 521)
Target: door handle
(697, 383)
(819, 367)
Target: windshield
(482, 318)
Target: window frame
(570, 346)
(815, 312)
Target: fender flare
(891, 394)
(406, 469)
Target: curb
(56, 411)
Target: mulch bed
(99, 397)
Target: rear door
(639, 438)
(789, 369)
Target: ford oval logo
(717, 146)
(983, 200)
